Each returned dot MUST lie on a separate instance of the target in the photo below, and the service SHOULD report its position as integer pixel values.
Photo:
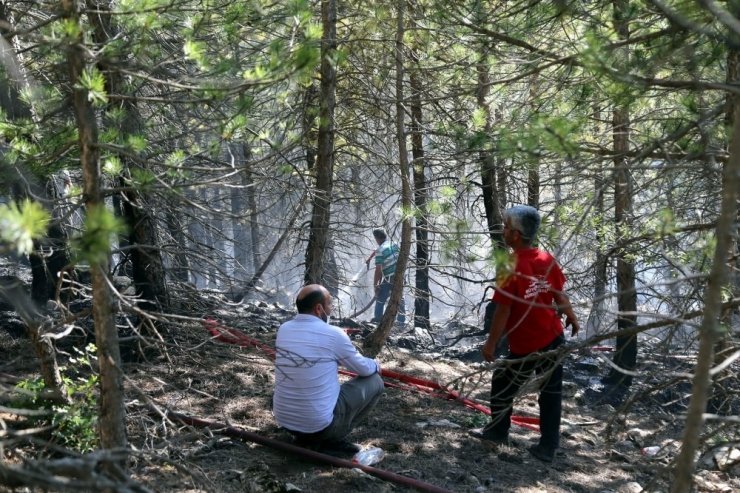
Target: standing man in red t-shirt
(526, 314)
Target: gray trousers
(356, 398)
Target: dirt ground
(424, 437)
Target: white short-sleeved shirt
(309, 352)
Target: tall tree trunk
(598, 308)
(146, 260)
(245, 227)
(123, 267)
(625, 355)
(275, 249)
(198, 242)
(533, 175)
(216, 228)
(147, 265)
(12, 82)
(331, 270)
(49, 256)
(422, 294)
(710, 329)
(491, 200)
(308, 121)
(208, 239)
(242, 262)
(48, 260)
(721, 399)
(13, 293)
(374, 343)
(254, 227)
(501, 172)
(180, 264)
(321, 215)
(112, 410)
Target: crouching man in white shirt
(309, 401)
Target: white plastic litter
(369, 456)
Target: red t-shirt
(533, 322)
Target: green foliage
(196, 51)
(665, 222)
(504, 262)
(479, 118)
(94, 244)
(142, 179)
(21, 223)
(313, 31)
(112, 166)
(176, 158)
(93, 82)
(143, 14)
(544, 134)
(71, 28)
(74, 425)
(235, 128)
(444, 203)
(136, 143)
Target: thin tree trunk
(598, 309)
(501, 174)
(533, 175)
(216, 228)
(309, 113)
(374, 343)
(625, 355)
(720, 402)
(254, 227)
(147, 266)
(321, 214)
(123, 268)
(276, 248)
(491, 200)
(710, 329)
(208, 269)
(422, 294)
(13, 293)
(48, 259)
(331, 270)
(198, 242)
(242, 262)
(180, 264)
(112, 410)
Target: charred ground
(424, 437)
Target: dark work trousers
(382, 296)
(507, 381)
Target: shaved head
(309, 296)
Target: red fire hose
(311, 454)
(235, 336)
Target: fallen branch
(74, 474)
(311, 454)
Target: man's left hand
(574, 327)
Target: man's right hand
(489, 351)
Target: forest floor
(424, 437)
